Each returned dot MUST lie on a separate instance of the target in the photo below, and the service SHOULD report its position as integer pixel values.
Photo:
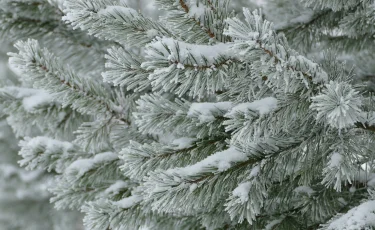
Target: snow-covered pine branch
(202, 119)
(47, 72)
(180, 67)
(115, 22)
(204, 19)
(35, 109)
(123, 68)
(48, 154)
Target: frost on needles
(204, 119)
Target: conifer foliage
(204, 119)
(24, 199)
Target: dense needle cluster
(207, 118)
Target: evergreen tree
(345, 28)
(203, 119)
(24, 199)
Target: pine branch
(116, 23)
(47, 72)
(207, 30)
(305, 25)
(202, 27)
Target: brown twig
(186, 9)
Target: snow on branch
(221, 161)
(257, 34)
(205, 18)
(338, 104)
(47, 72)
(112, 22)
(123, 68)
(32, 99)
(182, 67)
(46, 153)
(247, 198)
(360, 217)
(215, 167)
(129, 202)
(157, 115)
(207, 112)
(141, 159)
(262, 106)
(81, 166)
(200, 56)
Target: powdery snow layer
(31, 98)
(183, 142)
(356, 218)
(304, 189)
(31, 151)
(49, 144)
(196, 9)
(129, 202)
(220, 160)
(263, 106)
(242, 191)
(336, 160)
(81, 166)
(32, 102)
(151, 33)
(116, 187)
(271, 225)
(205, 111)
(210, 53)
(254, 171)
